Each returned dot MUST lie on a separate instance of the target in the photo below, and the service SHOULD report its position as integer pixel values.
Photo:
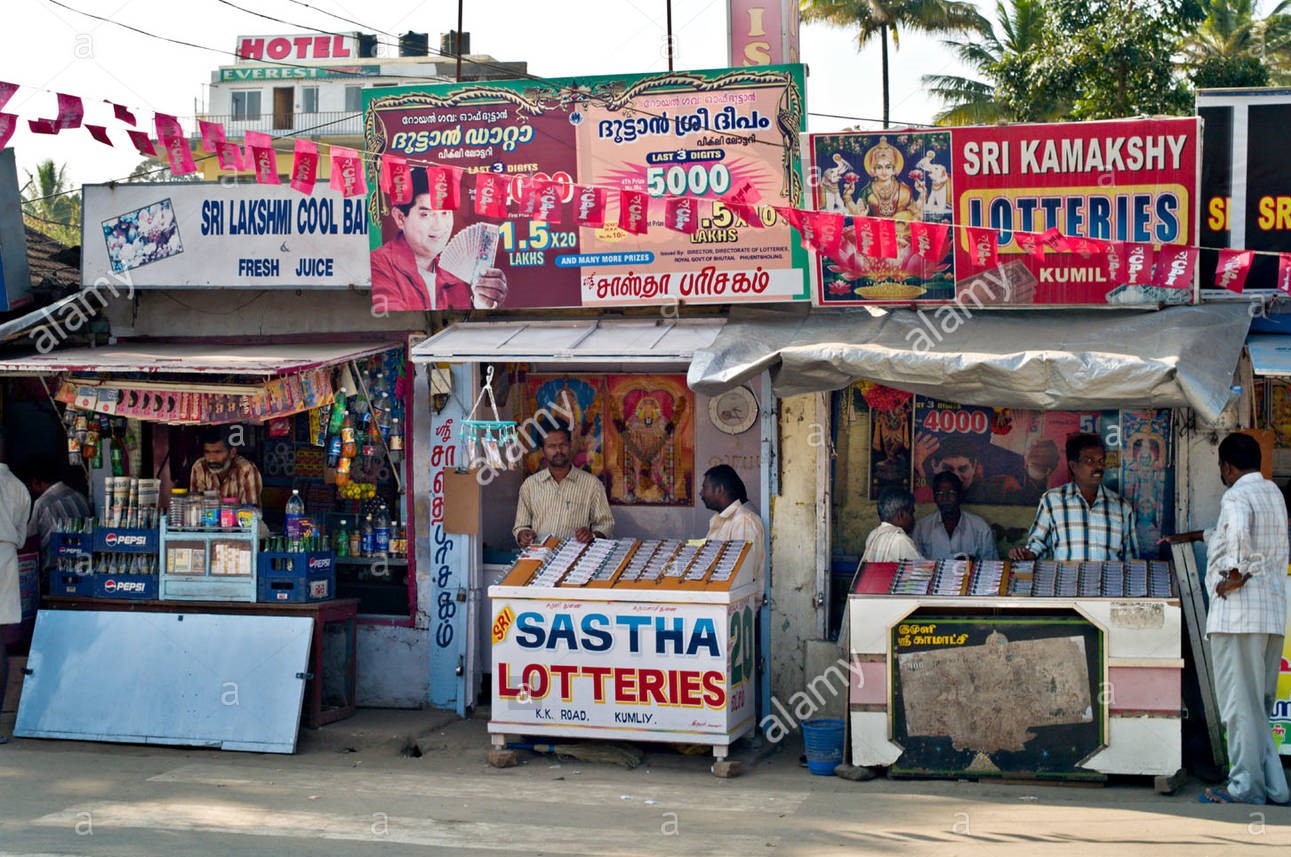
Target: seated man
(734, 517)
(562, 500)
(950, 531)
(890, 541)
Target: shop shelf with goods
(648, 640)
(210, 563)
(114, 556)
(1044, 669)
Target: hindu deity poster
(574, 401)
(649, 440)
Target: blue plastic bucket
(824, 740)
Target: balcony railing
(342, 123)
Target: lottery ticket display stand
(636, 640)
(1045, 670)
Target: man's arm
(1130, 543)
(254, 486)
(986, 547)
(1039, 537)
(1222, 546)
(524, 515)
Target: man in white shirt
(54, 502)
(1246, 572)
(723, 492)
(950, 531)
(15, 508)
(890, 541)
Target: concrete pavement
(359, 787)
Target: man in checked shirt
(1246, 573)
(1082, 520)
(562, 500)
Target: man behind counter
(734, 519)
(221, 469)
(1082, 520)
(950, 531)
(562, 500)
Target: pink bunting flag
(304, 167)
(1087, 247)
(1232, 269)
(99, 133)
(261, 158)
(681, 214)
(490, 195)
(1284, 273)
(1031, 244)
(589, 206)
(876, 237)
(1139, 262)
(70, 111)
(929, 240)
(1115, 260)
(212, 135)
(634, 211)
(395, 179)
(42, 126)
(983, 246)
(173, 141)
(791, 215)
(142, 143)
(6, 92)
(229, 156)
(1055, 239)
(744, 203)
(445, 185)
(1175, 265)
(122, 113)
(822, 231)
(547, 195)
(8, 124)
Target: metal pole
(669, 5)
(459, 40)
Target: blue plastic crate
(70, 544)
(135, 587)
(295, 577)
(70, 583)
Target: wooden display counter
(323, 705)
(1047, 671)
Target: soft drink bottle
(338, 412)
(367, 537)
(349, 448)
(333, 450)
(341, 539)
(295, 511)
(381, 534)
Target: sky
(46, 48)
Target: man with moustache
(562, 500)
(1082, 520)
(222, 470)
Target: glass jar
(177, 514)
(229, 513)
(211, 510)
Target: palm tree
(50, 206)
(884, 18)
(1233, 47)
(972, 102)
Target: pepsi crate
(70, 583)
(283, 577)
(125, 540)
(70, 544)
(136, 587)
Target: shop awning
(1060, 359)
(179, 358)
(574, 341)
(1270, 354)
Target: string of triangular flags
(1170, 266)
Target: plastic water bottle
(295, 511)
(381, 532)
(367, 537)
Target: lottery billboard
(700, 135)
(996, 215)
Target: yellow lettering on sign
(502, 624)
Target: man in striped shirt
(1082, 520)
(1246, 574)
(562, 500)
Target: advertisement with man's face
(698, 136)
